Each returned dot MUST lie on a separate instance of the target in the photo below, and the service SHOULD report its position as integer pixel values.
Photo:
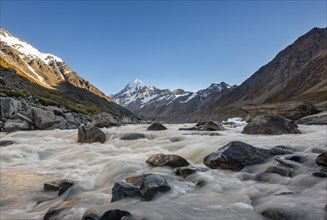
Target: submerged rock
(132, 136)
(185, 171)
(322, 159)
(123, 190)
(271, 125)
(6, 143)
(90, 216)
(279, 170)
(235, 156)
(117, 214)
(274, 214)
(170, 160)
(156, 126)
(205, 126)
(281, 150)
(152, 184)
(90, 135)
(104, 120)
(58, 185)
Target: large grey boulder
(104, 120)
(44, 118)
(235, 156)
(90, 135)
(9, 106)
(271, 125)
(15, 125)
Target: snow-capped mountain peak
(26, 49)
(146, 100)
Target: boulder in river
(152, 184)
(4, 143)
(322, 159)
(132, 136)
(117, 214)
(171, 160)
(58, 185)
(9, 106)
(235, 156)
(156, 126)
(90, 135)
(122, 190)
(271, 125)
(104, 120)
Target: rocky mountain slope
(165, 104)
(28, 72)
(297, 73)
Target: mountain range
(163, 103)
(297, 73)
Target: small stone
(6, 143)
(64, 185)
(132, 136)
(152, 184)
(320, 174)
(279, 170)
(185, 171)
(52, 186)
(90, 216)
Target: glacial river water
(42, 156)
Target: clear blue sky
(169, 44)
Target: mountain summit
(164, 103)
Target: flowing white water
(42, 156)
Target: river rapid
(43, 156)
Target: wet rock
(6, 143)
(185, 171)
(44, 118)
(316, 119)
(295, 158)
(271, 125)
(200, 183)
(279, 170)
(58, 185)
(90, 135)
(284, 193)
(156, 126)
(132, 136)
(60, 211)
(90, 216)
(15, 125)
(320, 174)
(235, 156)
(152, 184)
(281, 150)
(9, 106)
(117, 214)
(322, 159)
(213, 126)
(274, 214)
(286, 163)
(170, 160)
(122, 190)
(104, 120)
(53, 213)
(136, 180)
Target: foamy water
(42, 156)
